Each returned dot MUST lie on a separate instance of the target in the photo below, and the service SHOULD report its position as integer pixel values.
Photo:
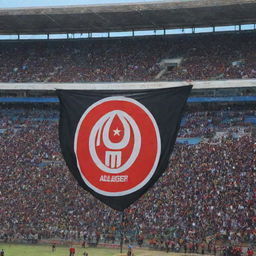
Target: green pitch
(46, 250)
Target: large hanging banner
(117, 143)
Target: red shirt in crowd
(250, 252)
(72, 250)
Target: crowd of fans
(203, 57)
(207, 193)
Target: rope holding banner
(121, 231)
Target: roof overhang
(127, 17)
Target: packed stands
(207, 193)
(203, 57)
(206, 199)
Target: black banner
(118, 143)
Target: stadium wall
(197, 85)
(190, 100)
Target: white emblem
(113, 156)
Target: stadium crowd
(203, 57)
(207, 193)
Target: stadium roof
(126, 17)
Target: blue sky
(30, 3)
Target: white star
(116, 132)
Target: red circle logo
(117, 146)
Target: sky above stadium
(31, 3)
